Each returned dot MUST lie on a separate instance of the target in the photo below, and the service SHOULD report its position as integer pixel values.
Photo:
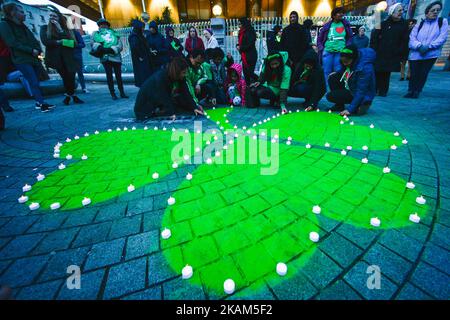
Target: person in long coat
(60, 42)
(390, 43)
(140, 53)
(157, 44)
(247, 49)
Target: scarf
(346, 76)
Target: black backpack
(440, 22)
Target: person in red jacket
(193, 41)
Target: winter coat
(295, 40)
(219, 72)
(211, 43)
(58, 56)
(189, 46)
(108, 38)
(157, 42)
(240, 85)
(140, 56)
(158, 92)
(6, 64)
(273, 43)
(362, 80)
(247, 48)
(20, 41)
(78, 52)
(315, 79)
(429, 35)
(173, 45)
(323, 36)
(360, 42)
(390, 43)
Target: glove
(423, 49)
(68, 43)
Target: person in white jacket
(211, 41)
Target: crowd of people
(348, 69)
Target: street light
(381, 6)
(217, 10)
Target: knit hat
(103, 21)
(393, 8)
(137, 24)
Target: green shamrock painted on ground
(229, 221)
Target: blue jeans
(31, 73)
(80, 74)
(331, 63)
(18, 76)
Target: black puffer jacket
(390, 43)
(315, 79)
(296, 40)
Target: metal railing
(262, 28)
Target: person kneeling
(273, 81)
(354, 84)
(166, 93)
(309, 81)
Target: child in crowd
(235, 85)
(274, 81)
(219, 65)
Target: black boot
(66, 100)
(113, 96)
(123, 95)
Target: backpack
(440, 22)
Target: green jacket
(198, 76)
(279, 84)
(21, 42)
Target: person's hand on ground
(214, 101)
(284, 109)
(345, 113)
(310, 108)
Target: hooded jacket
(277, 85)
(323, 36)
(20, 41)
(158, 92)
(315, 79)
(295, 40)
(140, 54)
(390, 43)
(240, 84)
(173, 45)
(189, 43)
(197, 76)
(157, 42)
(58, 56)
(362, 80)
(430, 35)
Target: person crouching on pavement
(166, 93)
(354, 84)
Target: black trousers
(117, 68)
(68, 79)
(264, 93)
(419, 74)
(338, 94)
(382, 80)
(209, 89)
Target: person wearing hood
(157, 45)
(199, 78)
(361, 40)
(211, 41)
(173, 44)
(354, 84)
(60, 42)
(166, 93)
(425, 43)
(247, 49)
(274, 81)
(296, 40)
(140, 53)
(308, 81)
(193, 41)
(235, 85)
(274, 40)
(333, 37)
(25, 50)
(108, 44)
(390, 43)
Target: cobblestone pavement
(117, 243)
